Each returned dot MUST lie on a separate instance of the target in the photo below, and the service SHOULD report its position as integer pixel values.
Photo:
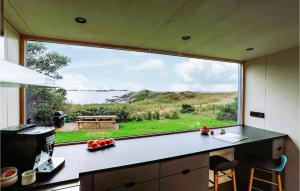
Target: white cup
(28, 177)
(222, 131)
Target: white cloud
(87, 64)
(207, 70)
(90, 48)
(133, 86)
(151, 64)
(80, 47)
(186, 69)
(133, 53)
(177, 87)
(207, 75)
(76, 81)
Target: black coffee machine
(29, 147)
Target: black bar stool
(266, 165)
(221, 164)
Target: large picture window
(116, 93)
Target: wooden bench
(97, 122)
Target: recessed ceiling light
(80, 20)
(249, 49)
(186, 37)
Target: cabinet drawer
(152, 185)
(278, 147)
(176, 166)
(119, 178)
(196, 180)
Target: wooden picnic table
(97, 122)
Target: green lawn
(186, 122)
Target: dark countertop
(150, 149)
(142, 150)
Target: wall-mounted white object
(14, 75)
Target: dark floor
(227, 186)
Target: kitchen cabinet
(185, 173)
(177, 166)
(278, 147)
(195, 180)
(152, 185)
(131, 178)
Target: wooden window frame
(25, 38)
(22, 98)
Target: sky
(103, 69)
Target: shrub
(139, 118)
(70, 117)
(149, 115)
(187, 108)
(141, 95)
(121, 114)
(167, 116)
(228, 111)
(175, 115)
(172, 115)
(156, 115)
(131, 118)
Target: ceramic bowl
(5, 170)
(28, 177)
(7, 183)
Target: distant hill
(169, 97)
(141, 102)
(146, 100)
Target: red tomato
(94, 145)
(111, 141)
(107, 141)
(9, 173)
(97, 142)
(101, 143)
(89, 143)
(205, 128)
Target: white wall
(9, 97)
(255, 91)
(272, 87)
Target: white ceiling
(218, 28)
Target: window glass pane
(116, 93)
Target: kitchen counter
(130, 152)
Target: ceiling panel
(15, 19)
(219, 28)
(121, 22)
(227, 28)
